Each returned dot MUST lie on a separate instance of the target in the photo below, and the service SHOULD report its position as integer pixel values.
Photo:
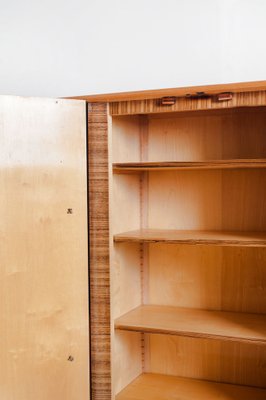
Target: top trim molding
(178, 92)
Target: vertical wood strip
(99, 252)
(144, 212)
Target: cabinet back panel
(228, 200)
(211, 135)
(207, 359)
(206, 277)
(191, 136)
(185, 138)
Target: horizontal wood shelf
(227, 326)
(164, 387)
(217, 238)
(188, 165)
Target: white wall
(75, 47)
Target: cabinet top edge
(178, 92)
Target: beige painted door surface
(43, 250)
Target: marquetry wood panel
(145, 106)
(99, 252)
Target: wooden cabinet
(178, 244)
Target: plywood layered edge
(99, 252)
(197, 323)
(165, 387)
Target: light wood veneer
(241, 327)
(180, 221)
(216, 238)
(188, 165)
(162, 387)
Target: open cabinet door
(44, 336)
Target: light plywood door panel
(44, 254)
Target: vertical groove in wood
(143, 139)
(99, 252)
(144, 190)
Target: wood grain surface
(181, 91)
(240, 327)
(188, 165)
(213, 360)
(163, 387)
(99, 252)
(44, 333)
(218, 203)
(148, 106)
(218, 238)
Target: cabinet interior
(214, 274)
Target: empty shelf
(218, 238)
(164, 387)
(227, 326)
(188, 165)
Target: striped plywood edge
(252, 99)
(99, 252)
